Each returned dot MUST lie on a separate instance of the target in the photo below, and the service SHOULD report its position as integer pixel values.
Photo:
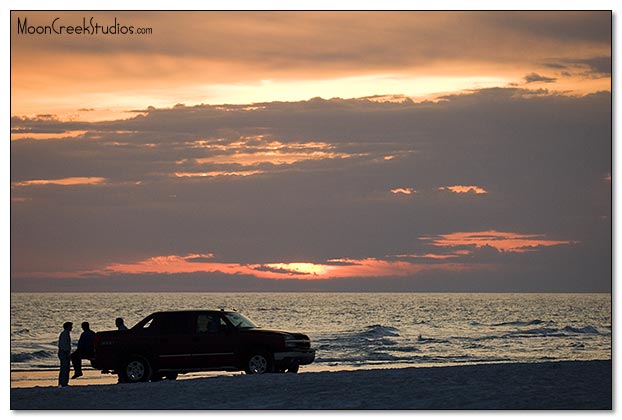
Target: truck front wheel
(258, 362)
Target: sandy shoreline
(553, 385)
(49, 378)
(23, 378)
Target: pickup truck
(166, 344)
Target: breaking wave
(522, 323)
(585, 330)
(379, 331)
(560, 331)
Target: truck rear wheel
(258, 362)
(135, 369)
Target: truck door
(214, 342)
(173, 340)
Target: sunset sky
(294, 151)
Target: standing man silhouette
(64, 349)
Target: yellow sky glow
(251, 57)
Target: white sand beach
(583, 385)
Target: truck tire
(136, 368)
(258, 362)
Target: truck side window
(208, 323)
(172, 324)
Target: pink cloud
(62, 181)
(407, 191)
(330, 269)
(464, 189)
(502, 241)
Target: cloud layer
(497, 189)
(244, 57)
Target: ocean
(349, 330)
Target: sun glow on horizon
(302, 268)
(330, 269)
(458, 246)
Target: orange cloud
(502, 241)
(46, 136)
(331, 269)
(273, 152)
(402, 265)
(407, 191)
(215, 174)
(62, 181)
(463, 189)
(456, 254)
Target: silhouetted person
(85, 349)
(120, 325)
(64, 349)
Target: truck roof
(194, 310)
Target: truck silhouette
(166, 344)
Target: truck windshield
(239, 321)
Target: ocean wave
(405, 349)
(431, 340)
(566, 331)
(383, 357)
(538, 331)
(372, 337)
(379, 331)
(386, 357)
(522, 323)
(428, 323)
(25, 357)
(585, 330)
(374, 358)
(22, 333)
(561, 331)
